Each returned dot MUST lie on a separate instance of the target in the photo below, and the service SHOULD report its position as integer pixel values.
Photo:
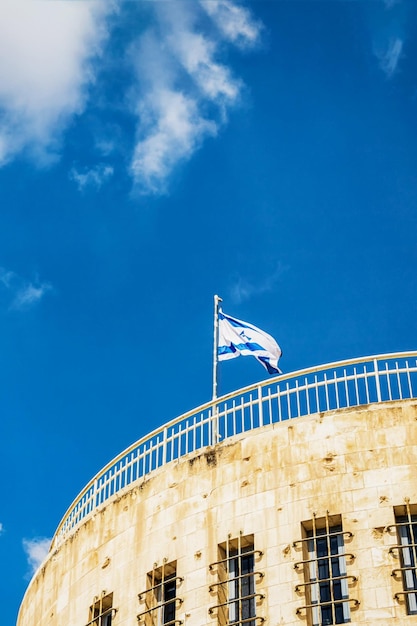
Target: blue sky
(153, 154)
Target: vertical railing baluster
(234, 421)
(346, 389)
(317, 394)
(388, 381)
(409, 379)
(288, 401)
(250, 411)
(297, 392)
(269, 405)
(336, 390)
(279, 397)
(242, 414)
(260, 406)
(307, 395)
(378, 386)
(366, 384)
(95, 492)
(400, 391)
(195, 433)
(356, 385)
(212, 434)
(164, 445)
(326, 389)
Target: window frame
(102, 611)
(160, 609)
(237, 598)
(324, 565)
(406, 551)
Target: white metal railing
(328, 387)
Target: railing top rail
(282, 378)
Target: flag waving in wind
(240, 338)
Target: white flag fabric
(240, 338)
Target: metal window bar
(260, 575)
(301, 564)
(161, 597)
(344, 533)
(326, 580)
(323, 580)
(102, 610)
(307, 607)
(237, 597)
(406, 528)
(104, 619)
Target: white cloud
(28, 295)
(243, 289)
(235, 22)
(36, 551)
(22, 294)
(390, 3)
(176, 131)
(6, 277)
(92, 178)
(196, 55)
(183, 89)
(389, 58)
(45, 69)
(1, 528)
(175, 80)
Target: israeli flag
(240, 338)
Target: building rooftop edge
(342, 384)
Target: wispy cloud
(388, 60)
(184, 90)
(6, 277)
(20, 293)
(389, 24)
(176, 130)
(93, 178)
(243, 289)
(235, 22)
(36, 551)
(177, 87)
(28, 295)
(46, 50)
(390, 3)
(1, 528)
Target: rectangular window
(406, 526)
(235, 588)
(324, 566)
(102, 611)
(160, 597)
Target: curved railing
(315, 390)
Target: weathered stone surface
(358, 463)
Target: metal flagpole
(217, 299)
(215, 408)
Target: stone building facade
(306, 521)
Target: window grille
(235, 588)
(326, 585)
(102, 611)
(406, 551)
(160, 598)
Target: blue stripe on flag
(269, 367)
(234, 347)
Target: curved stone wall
(354, 467)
